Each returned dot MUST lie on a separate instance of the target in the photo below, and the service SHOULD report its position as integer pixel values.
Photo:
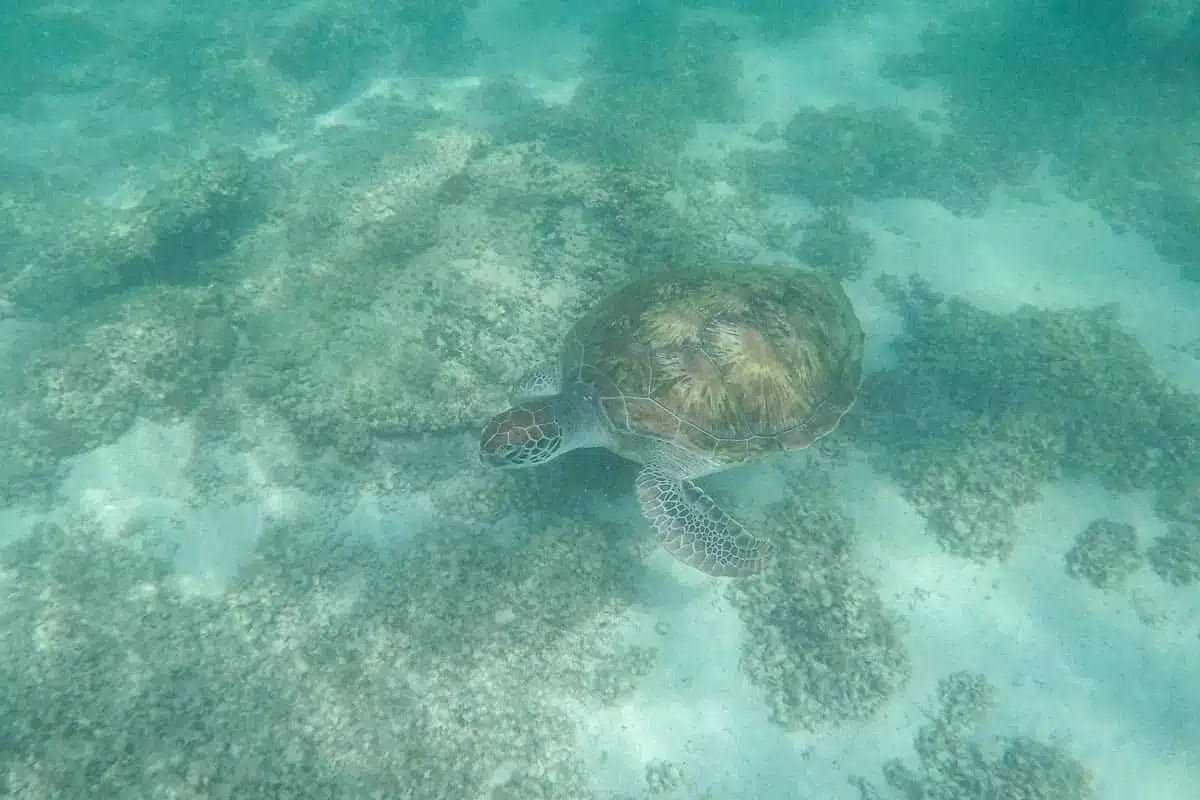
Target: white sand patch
(695, 710)
(835, 65)
(384, 521)
(698, 712)
(522, 40)
(1051, 251)
(139, 491)
(1072, 665)
(1055, 253)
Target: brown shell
(728, 362)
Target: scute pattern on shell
(728, 362)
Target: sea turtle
(689, 372)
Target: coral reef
(1167, 21)
(981, 409)
(325, 47)
(1116, 106)
(247, 68)
(1104, 554)
(425, 256)
(819, 642)
(156, 355)
(665, 779)
(455, 266)
(954, 763)
(43, 46)
(434, 669)
(785, 21)
(832, 243)
(1179, 494)
(70, 250)
(1175, 556)
(835, 156)
(650, 78)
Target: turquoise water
(267, 268)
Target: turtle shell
(727, 363)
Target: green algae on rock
(953, 765)
(154, 354)
(1104, 554)
(1175, 556)
(295, 680)
(819, 642)
(982, 409)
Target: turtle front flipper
(694, 529)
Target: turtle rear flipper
(694, 529)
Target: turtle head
(524, 436)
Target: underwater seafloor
(265, 269)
